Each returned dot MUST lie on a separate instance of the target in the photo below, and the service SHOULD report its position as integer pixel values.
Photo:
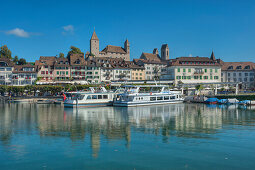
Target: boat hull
(88, 104)
(135, 104)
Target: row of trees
(40, 89)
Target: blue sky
(190, 27)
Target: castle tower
(155, 51)
(94, 44)
(164, 52)
(127, 46)
(127, 49)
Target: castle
(110, 50)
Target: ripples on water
(177, 136)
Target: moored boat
(211, 101)
(93, 98)
(147, 95)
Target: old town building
(6, 68)
(45, 67)
(239, 72)
(23, 75)
(193, 70)
(110, 50)
(61, 70)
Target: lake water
(174, 136)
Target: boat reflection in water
(111, 124)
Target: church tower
(212, 56)
(164, 52)
(94, 44)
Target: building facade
(189, 70)
(6, 68)
(45, 67)
(239, 72)
(23, 75)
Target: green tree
(74, 50)
(16, 59)
(61, 55)
(5, 52)
(199, 88)
(22, 61)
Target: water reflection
(118, 124)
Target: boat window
(172, 97)
(80, 97)
(94, 96)
(166, 97)
(130, 98)
(88, 97)
(152, 98)
(105, 96)
(159, 98)
(99, 96)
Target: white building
(193, 70)
(6, 68)
(239, 72)
(24, 75)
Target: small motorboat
(211, 101)
(222, 101)
(233, 101)
(45, 101)
(244, 102)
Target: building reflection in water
(115, 124)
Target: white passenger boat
(93, 98)
(147, 95)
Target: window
(94, 96)
(234, 74)
(166, 97)
(211, 77)
(189, 77)
(200, 77)
(99, 96)
(195, 77)
(184, 70)
(211, 70)
(205, 70)
(216, 77)
(57, 72)
(152, 98)
(240, 74)
(246, 74)
(105, 96)
(159, 98)
(172, 97)
(179, 69)
(189, 70)
(216, 70)
(66, 72)
(205, 77)
(43, 72)
(229, 74)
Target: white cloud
(68, 29)
(18, 32)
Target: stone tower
(164, 52)
(127, 46)
(94, 44)
(155, 51)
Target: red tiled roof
(238, 66)
(113, 49)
